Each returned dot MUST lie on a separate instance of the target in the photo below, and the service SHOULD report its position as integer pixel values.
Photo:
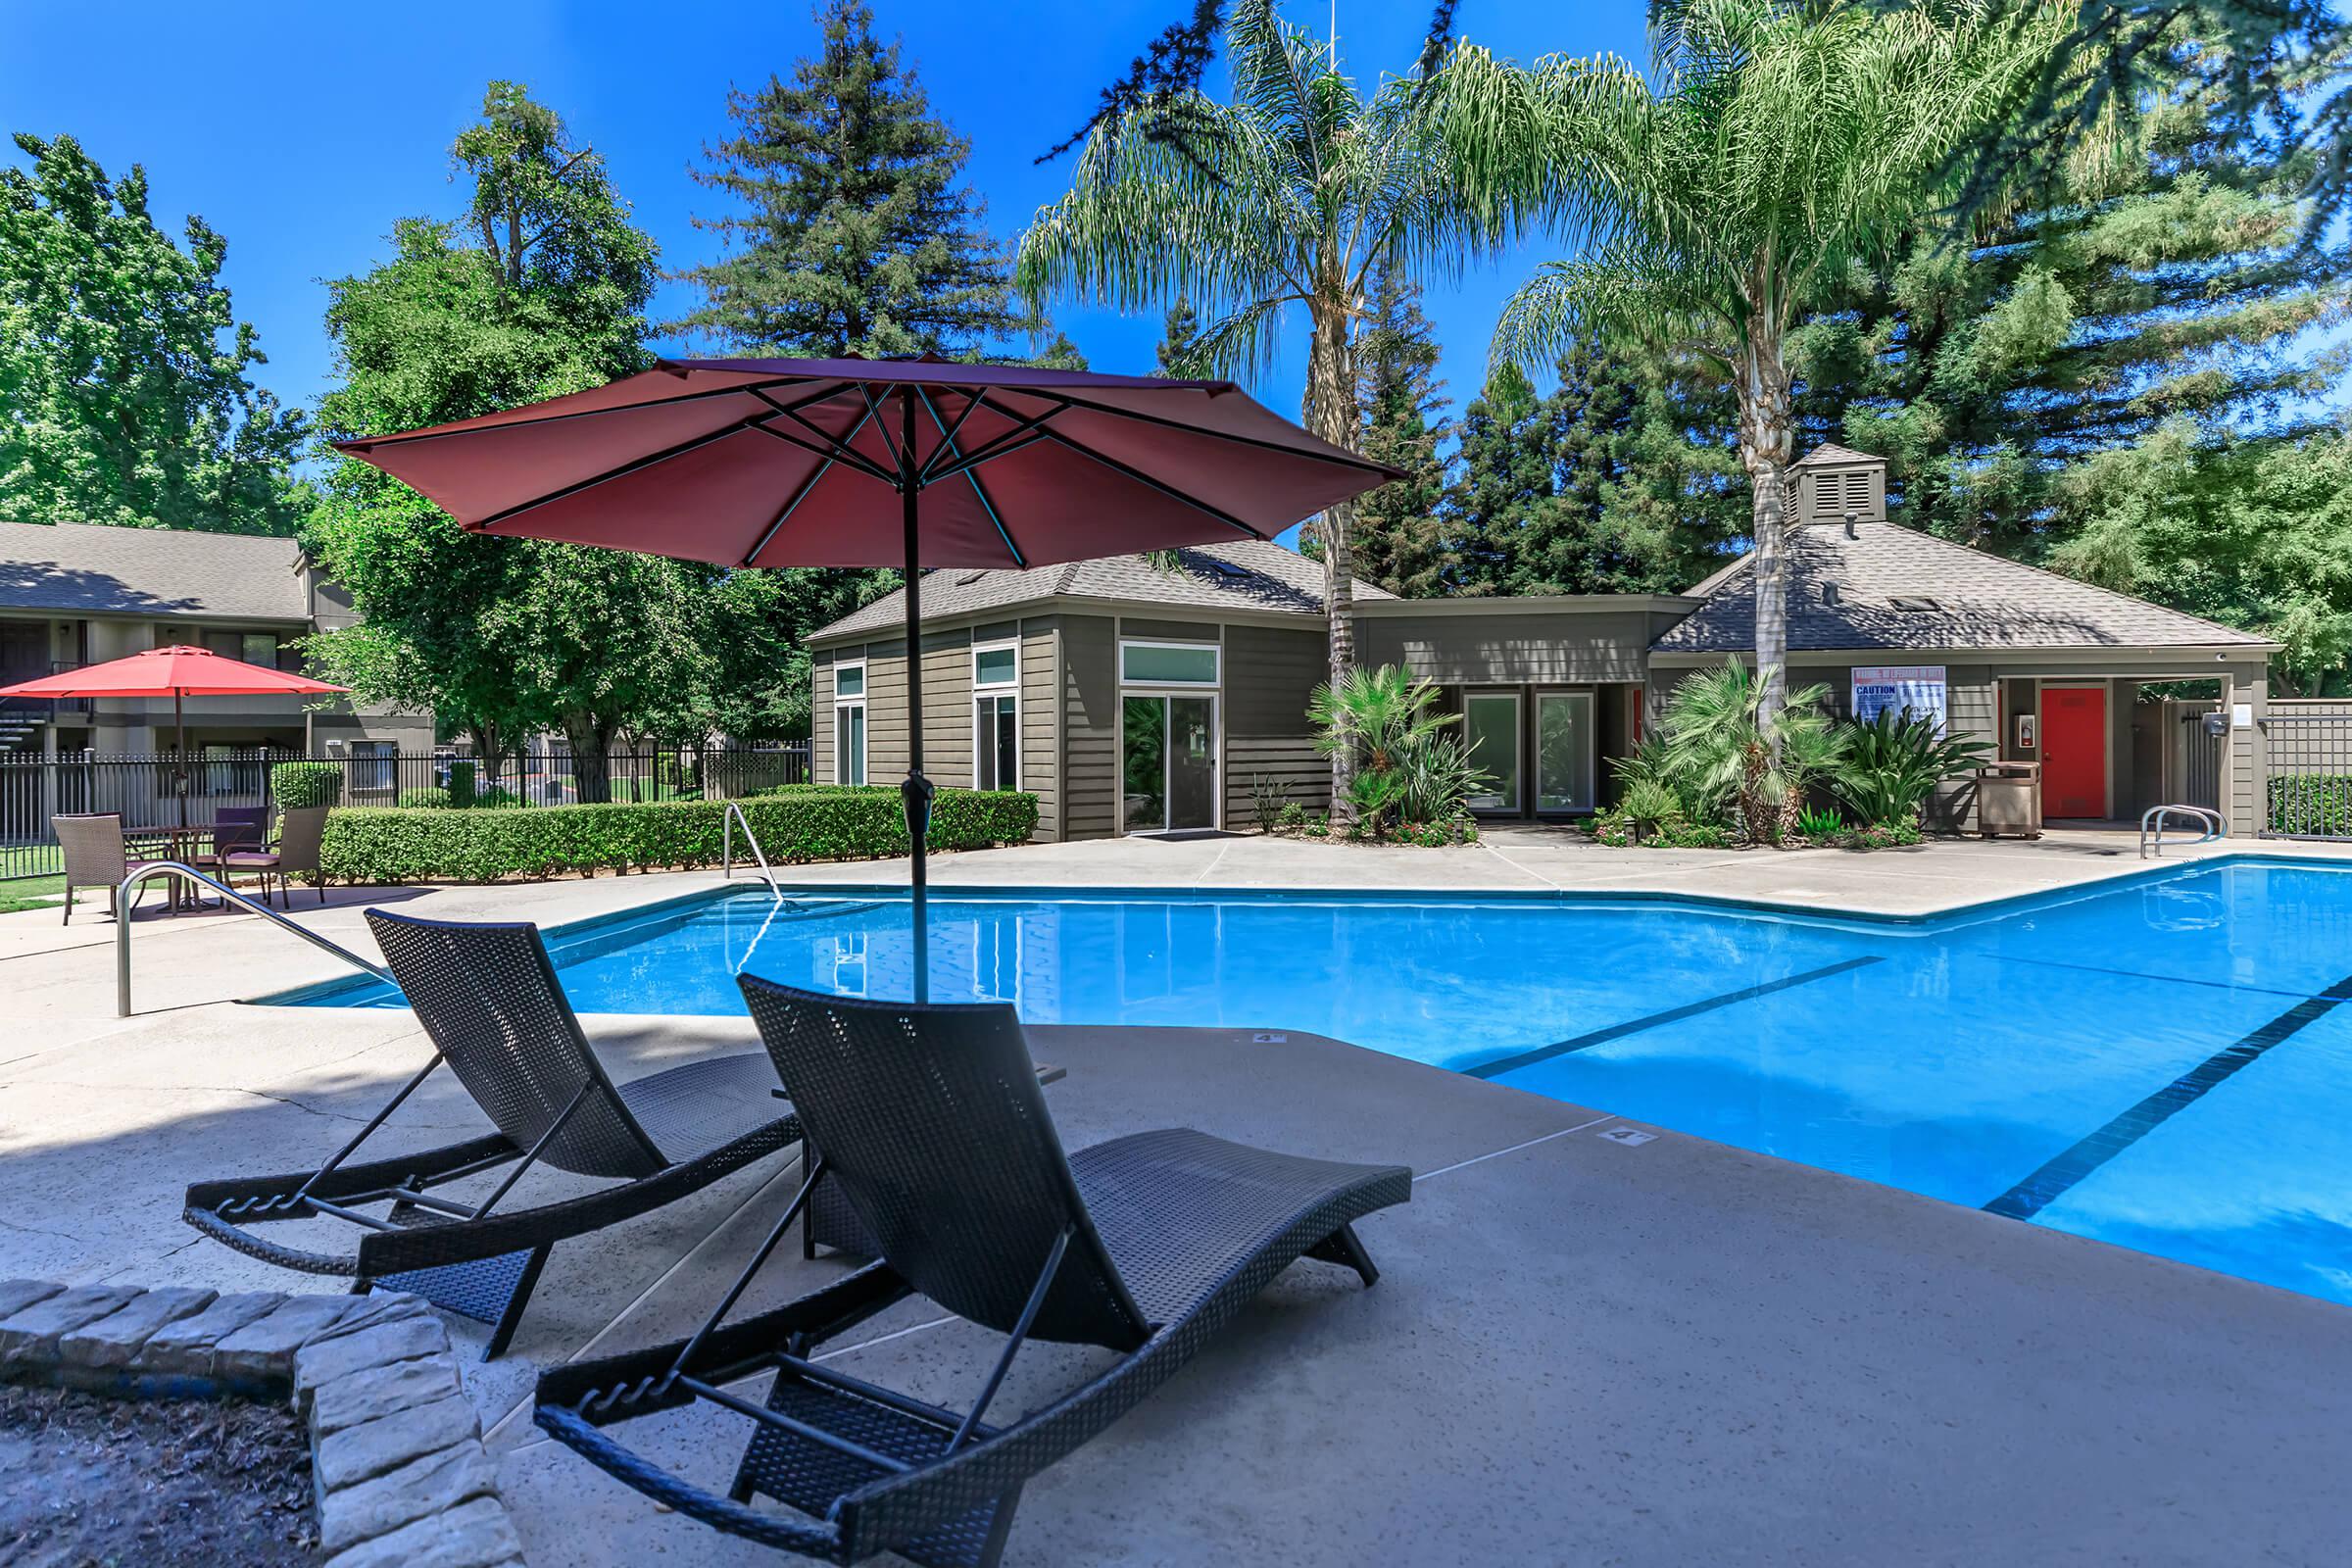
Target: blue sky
(302, 131)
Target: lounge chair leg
(1341, 1247)
(513, 1315)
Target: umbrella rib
(802, 494)
(633, 466)
(1024, 434)
(1146, 480)
(833, 446)
(882, 428)
(831, 451)
(947, 441)
(947, 438)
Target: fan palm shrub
(1893, 763)
(1724, 744)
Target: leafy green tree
(1401, 539)
(1772, 145)
(539, 291)
(852, 230)
(126, 386)
(1295, 193)
(1506, 480)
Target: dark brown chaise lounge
(488, 997)
(931, 1122)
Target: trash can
(2009, 801)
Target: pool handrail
(726, 848)
(2152, 820)
(189, 873)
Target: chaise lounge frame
(488, 997)
(932, 1125)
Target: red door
(2073, 751)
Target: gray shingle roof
(1831, 452)
(1958, 598)
(1246, 575)
(82, 568)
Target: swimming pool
(2161, 1062)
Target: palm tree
(1724, 745)
(1775, 144)
(1295, 193)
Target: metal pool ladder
(125, 894)
(726, 848)
(2152, 820)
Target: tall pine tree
(1179, 331)
(1400, 539)
(852, 231)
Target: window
(372, 764)
(1491, 725)
(259, 648)
(848, 722)
(1564, 751)
(997, 716)
(1168, 664)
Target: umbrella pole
(179, 757)
(916, 791)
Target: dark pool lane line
(1998, 957)
(1633, 1026)
(2053, 1180)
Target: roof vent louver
(1226, 568)
(1915, 604)
(1830, 596)
(970, 577)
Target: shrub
(2312, 802)
(431, 799)
(1880, 836)
(1439, 779)
(1720, 748)
(299, 784)
(1893, 763)
(461, 783)
(491, 796)
(1266, 800)
(1819, 826)
(395, 845)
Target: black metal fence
(146, 790)
(2309, 791)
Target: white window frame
(865, 725)
(1519, 760)
(1216, 656)
(998, 690)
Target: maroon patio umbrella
(798, 462)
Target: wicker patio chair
(487, 996)
(931, 1122)
(94, 855)
(300, 834)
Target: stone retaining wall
(396, 1449)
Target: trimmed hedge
(391, 845)
(2312, 802)
(431, 799)
(461, 783)
(299, 784)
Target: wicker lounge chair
(931, 1122)
(300, 836)
(487, 996)
(94, 855)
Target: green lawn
(31, 893)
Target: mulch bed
(86, 1480)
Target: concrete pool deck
(1582, 1350)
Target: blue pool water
(2161, 1064)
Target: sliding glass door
(1168, 769)
(1564, 752)
(1491, 730)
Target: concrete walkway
(1583, 1350)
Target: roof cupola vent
(1837, 483)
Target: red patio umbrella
(880, 462)
(175, 672)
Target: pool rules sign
(1916, 688)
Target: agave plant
(1724, 744)
(1893, 763)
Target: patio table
(182, 843)
(829, 1221)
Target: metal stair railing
(726, 848)
(2152, 820)
(125, 894)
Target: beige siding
(1090, 709)
(1269, 673)
(2249, 783)
(1041, 728)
